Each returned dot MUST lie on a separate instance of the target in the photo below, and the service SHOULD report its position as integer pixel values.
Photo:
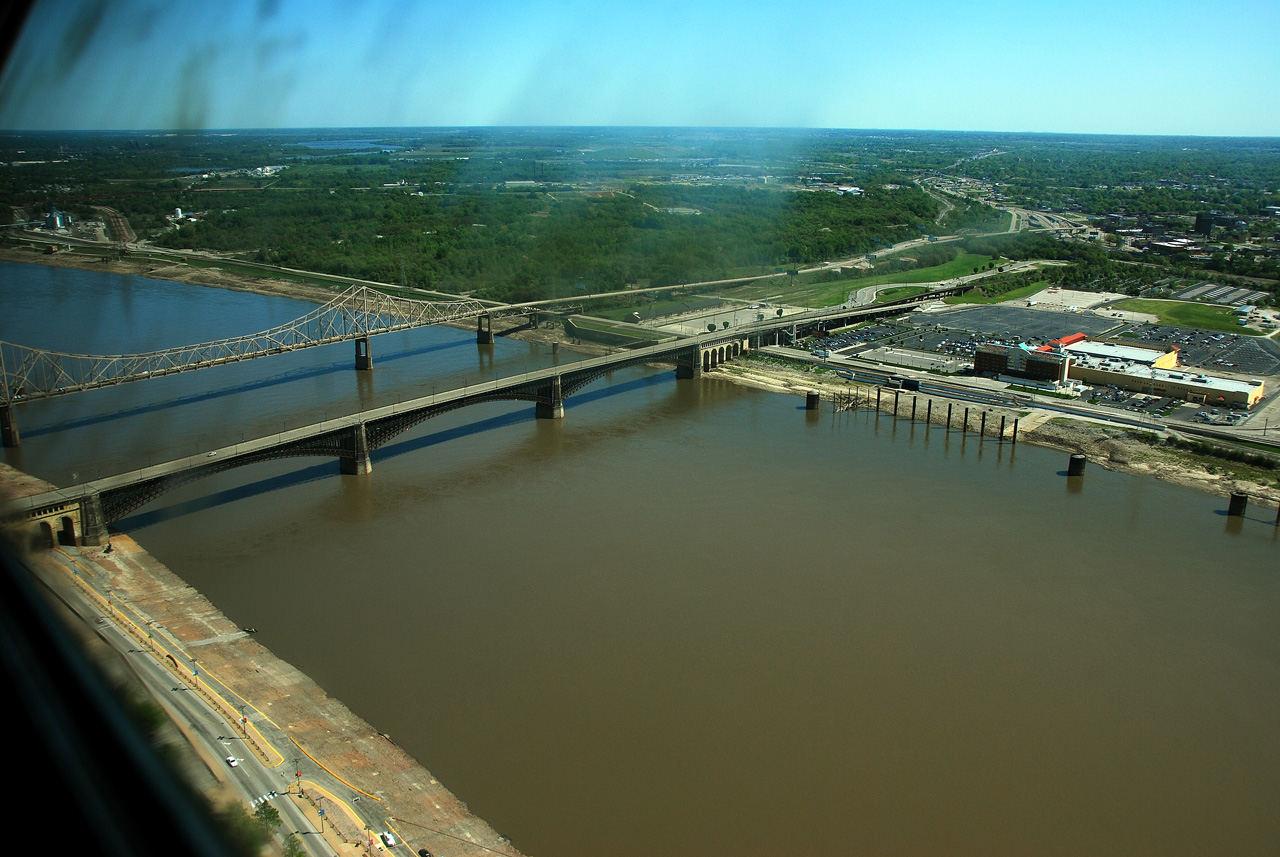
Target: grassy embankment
(973, 297)
(833, 293)
(634, 331)
(1189, 314)
(810, 289)
(899, 292)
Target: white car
(233, 762)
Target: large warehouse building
(1130, 367)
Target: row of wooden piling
(855, 399)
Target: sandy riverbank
(1115, 448)
(140, 267)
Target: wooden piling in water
(1015, 432)
(948, 417)
(1002, 428)
(982, 425)
(913, 408)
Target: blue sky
(1210, 67)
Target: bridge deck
(260, 448)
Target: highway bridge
(32, 374)
(81, 513)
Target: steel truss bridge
(356, 314)
(85, 510)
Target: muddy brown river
(690, 618)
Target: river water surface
(691, 618)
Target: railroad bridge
(81, 513)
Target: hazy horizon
(980, 132)
(1177, 68)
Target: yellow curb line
(221, 705)
(322, 767)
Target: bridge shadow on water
(263, 384)
(329, 470)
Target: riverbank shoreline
(287, 711)
(1112, 447)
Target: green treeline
(518, 245)
(524, 213)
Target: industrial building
(1130, 367)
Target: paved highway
(210, 734)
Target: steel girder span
(359, 312)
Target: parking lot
(1019, 323)
(1228, 352)
(852, 338)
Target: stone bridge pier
(550, 404)
(689, 363)
(484, 329)
(93, 523)
(355, 452)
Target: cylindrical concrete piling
(1239, 502)
(1076, 463)
(811, 401)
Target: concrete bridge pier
(484, 329)
(364, 357)
(93, 524)
(356, 463)
(553, 407)
(9, 424)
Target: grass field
(659, 308)
(1188, 314)
(900, 292)
(835, 293)
(633, 331)
(1017, 294)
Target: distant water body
(690, 618)
(353, 145)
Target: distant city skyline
(1090, 67)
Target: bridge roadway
(81, 513)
